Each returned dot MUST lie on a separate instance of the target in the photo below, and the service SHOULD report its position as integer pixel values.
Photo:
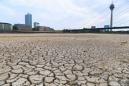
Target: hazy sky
(61, 14)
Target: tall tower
(28, 20)
(112, 6)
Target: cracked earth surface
(64, 60)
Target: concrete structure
(5, 27)
(93, 27)
(36, 24)
(28, 20)
(112, 6)
(106, 28)
(22, 27)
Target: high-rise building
(28, 20)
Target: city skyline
(65, 14)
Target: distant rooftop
(4, 23)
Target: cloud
(62, 14)
(6, 13)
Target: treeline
(84, 30)
(97, 30)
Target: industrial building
(5, 27)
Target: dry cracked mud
(64, 60)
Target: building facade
(36, 24)
(44, 29)
(21, 27)
(5, 27)
(93, 27)
(106, 28)
(28, 20)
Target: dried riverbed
(64, 60)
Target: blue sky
(61, 14)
